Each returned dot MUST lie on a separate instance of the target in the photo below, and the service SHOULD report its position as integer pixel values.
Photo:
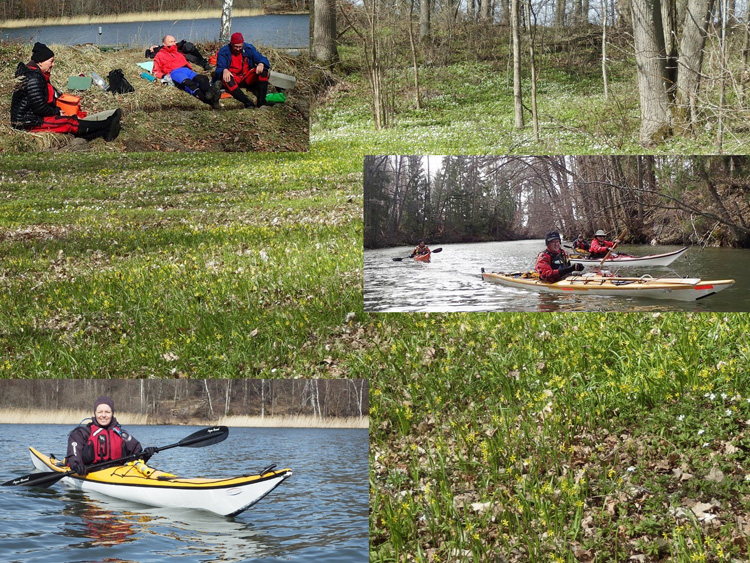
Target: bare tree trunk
(559, 13)
(669, 19)
(226, 20)
(604, 49)
(415, 63)
(515, 32)
(648, 33)
(691, 59)
(532, 33)
(208, 396)
(424, 20)
(484, 10)
(324, 33)
(228, 395)
(722, 96)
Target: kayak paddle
(398, 259)
(204, 437)
(611, 248)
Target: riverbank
(136, 17)
(71, 416)
(161, 117)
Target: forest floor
(160, 117)
(467, 104)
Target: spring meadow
(505, 437)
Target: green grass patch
(144, 265)
(539, 437)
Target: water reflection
(452, 281)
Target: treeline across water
(670, 199)
(171, 401)
(44, 9)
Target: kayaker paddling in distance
(553, 264)
(102, 439)
(600, 246)
(420, 250)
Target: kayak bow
(139, 483)
(687, 289)
(628, 260)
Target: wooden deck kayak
(681, 289)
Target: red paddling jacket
(91, 443)
(599, 249)
(548, 265)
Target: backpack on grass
(118, 84)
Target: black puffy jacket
(32, 101)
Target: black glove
(77, 467)
(148, 452)
(578, 267)
(565, 270)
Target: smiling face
(554, 245)
(103, 415)
(169, 41)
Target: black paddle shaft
(204, 437)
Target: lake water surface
(282, 31)
(453, 282)
(318, 514)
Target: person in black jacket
(33, 107)
(102, 439)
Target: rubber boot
(108, 129)
(240, 96)
(261, 92)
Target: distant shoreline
(139, 16)
(73, 417)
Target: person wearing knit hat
(170, 61)
(102, 439)
(33, 106)
(239, 65)
(553, 264)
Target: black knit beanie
(104, 400)
(41, 53)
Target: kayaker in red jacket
(170, 61)
(553, 264)
(420, 250)
(102, 439)
(599, 246)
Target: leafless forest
(685, 199)
(29, 9)
(181, 400)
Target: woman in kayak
(420, 250)
(553, 264)
(102, 439)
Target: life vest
(104, 444)
(558, 261)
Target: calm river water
(452, 281)
(318, 514)
(283, 31)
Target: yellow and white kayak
(137, 482)
(681, 289)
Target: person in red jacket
(599, 246)
(169, 61)
(553, 264)
(420, 250)
(33, 104)
(102, 439)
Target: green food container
(278, 98)
(79, 83)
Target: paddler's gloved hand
(565, 270)
(147, 453)
(77, 467)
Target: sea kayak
(629, 260)
(422, 257)
(687, 289)
(137, 482)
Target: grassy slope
(468, 107)
(160, 117)
(166, 265)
